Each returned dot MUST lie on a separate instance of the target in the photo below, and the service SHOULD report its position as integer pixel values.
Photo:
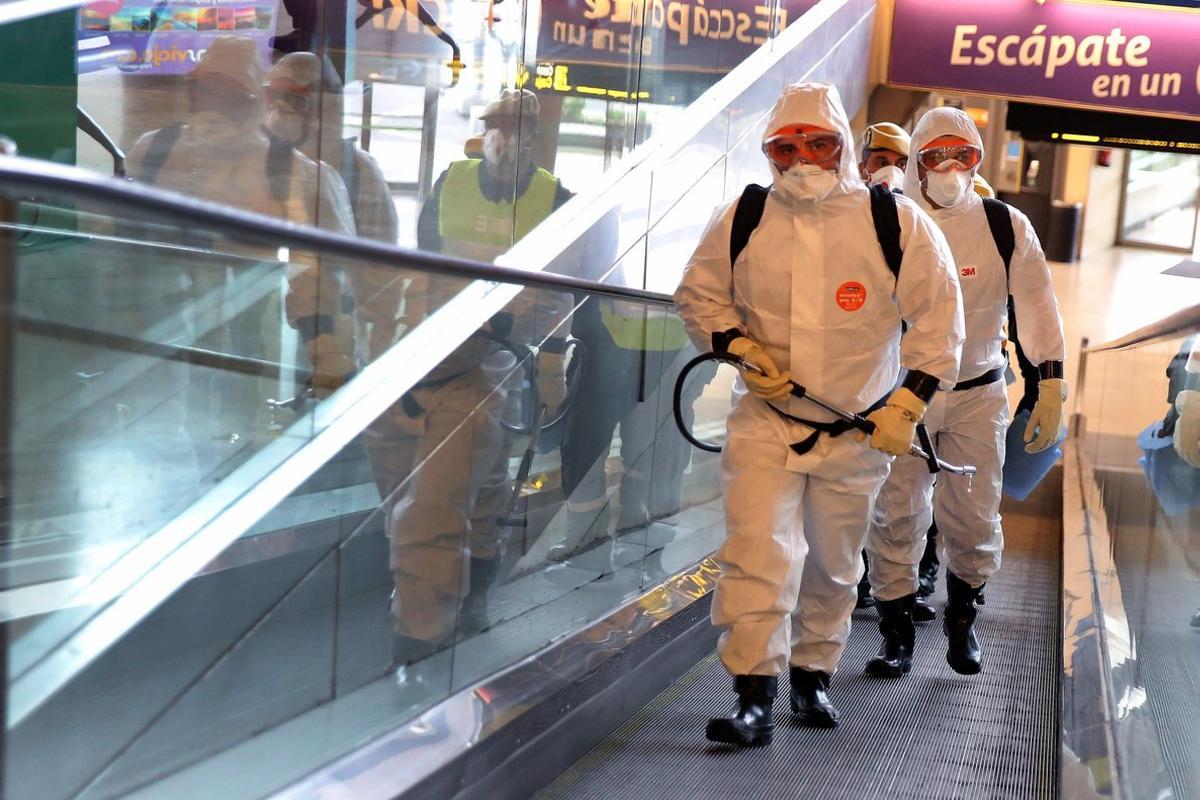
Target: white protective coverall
(800, 520)
(222, 155)
(969, 425)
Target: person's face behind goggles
(787, 148)
(940, 158)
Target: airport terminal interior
(354, 444)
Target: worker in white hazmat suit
(970, 422)
(810, 298)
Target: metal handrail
(1181, 323)
(25, 175)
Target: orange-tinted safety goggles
(964, 156)
(786, 150)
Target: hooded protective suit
(221, 154)
(969, 423)
(813, 289)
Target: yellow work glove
(1187, 427)
(551, 380)
(331, 366)
(896, 423)
(772, 384)
(1046, 419)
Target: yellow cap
(982, 187)
(886, 136)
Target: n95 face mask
(948, 187)
(890, 176)
(805, 182)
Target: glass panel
(440, 543)
(1148, 469)
(1161, 200)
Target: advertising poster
(165, 38)
(1111, 56)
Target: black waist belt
(833, 429)
(991, 376)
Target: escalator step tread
(934, 734)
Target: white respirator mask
(948, 186)
(805, 182)
(499, 147)
(891, 176)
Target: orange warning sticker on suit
(851, 296)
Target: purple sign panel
(691, 35)
(166, 38)
(1108, 56)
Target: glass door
(1160, 200)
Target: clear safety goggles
(962, 156)
(788, 149)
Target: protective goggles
(288, 93)
(964, 156)
(787, 149)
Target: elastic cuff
(555, 344)
(1050, 369)
(721, 339)
(921, 384)
(310, 328)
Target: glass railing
(1132, 569)
(231, 557)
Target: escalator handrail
(24, 175)
(1181, 323)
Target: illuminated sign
(1101, 55)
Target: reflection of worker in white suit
(969, 423)
(221, 154)
(304, 98)
(811, 298)
(446, 544)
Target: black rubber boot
(474, 618)
(963, 653)
(752, 723)
(927, 570)
(899, 635)
(810, 699)
(865, 600)
(922, 611)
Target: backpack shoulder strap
(745, 219)
(162, 142)
(1002, 229)
(887, 227)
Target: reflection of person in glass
(1183, 420)
(305, 105)
(222, 154)
(647, 349)
(971, 422)
(448, 428)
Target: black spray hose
(924, 451)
